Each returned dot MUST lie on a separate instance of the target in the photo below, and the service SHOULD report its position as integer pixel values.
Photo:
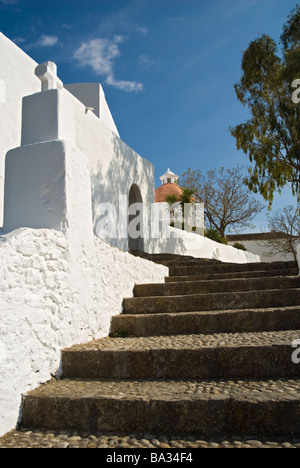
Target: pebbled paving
(172, 389)
(191, 341)
(64, 439)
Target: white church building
(63, 165)
(68, 191)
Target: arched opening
(135, 220)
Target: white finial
(47, 73)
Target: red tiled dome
(166, 189)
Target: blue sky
(168, 68)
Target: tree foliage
(227, 201)
(185, 198)
(271, 137)
(213, 234)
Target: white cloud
(47, 41)
(100, 54)
(42, 41)
(19, 40)
(145, 62)
(142, 30)
(129, 86)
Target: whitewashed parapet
(187, 243)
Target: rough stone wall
(53, 294)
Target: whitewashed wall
(54, 294)
(17, 79)
(186, 243)
(264, 250)
(92, 95)
(48, 116)
(114, 166)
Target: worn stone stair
(209, 352)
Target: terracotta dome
(166, 189)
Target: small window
(169, 181)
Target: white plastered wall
(114, 166)
(17, 79)
(48, 186)
(55, 293)
(92, 96)
(187, 243)
(264, 250)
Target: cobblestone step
(214, 301)
(68, 439)
(194, 269)
(208, 408)
(224, 285)
(215, 363)
(227, 321)
(234, 275)
(175, 258)
(252, 355)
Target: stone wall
(55, 293)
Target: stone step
(242, 355)
(207, 408)
(174, 257)
(214, 362)
(245, 274)
(215, 301)
(228, 321)
(195, 269)
(213, 286)
(185, 262)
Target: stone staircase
(208, 352)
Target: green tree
(271, 136)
